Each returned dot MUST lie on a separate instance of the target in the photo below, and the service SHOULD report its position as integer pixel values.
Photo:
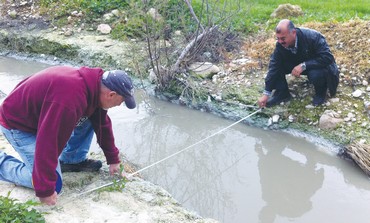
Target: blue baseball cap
(120, 82)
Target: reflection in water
(241, 175)
(288, 189)
(197, 172)
(11, 72)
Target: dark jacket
(49, 104)
(312, 49)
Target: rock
(329, 120)
(275, 118)
(178, 33)
(68, 32)
(351, 115)
(74, 13)
(218, 98)
(155, 14)
(104, 28)
(286, 11)
(269, 122)
(242, 61)
(13, 14)
(204, 69)
(108, 16)
(291, 118)
(357, 93)
(152, 77)
(334, 100)
(309, 106)
(362, 141)
(367, 108)
(215, 78)
(116, 13)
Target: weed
(13, 211)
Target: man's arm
(274, 70)
(104, 133)
(56, 124)
(321, 54)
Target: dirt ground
(139, 201)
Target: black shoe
(88, 165)
(278, 97)
(317, 100)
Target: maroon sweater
(49, 104)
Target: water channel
(242, 174)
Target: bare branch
(193, 14)
(188, 47)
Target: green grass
(253, 15)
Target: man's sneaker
(88, 165)
(278, 97)
(317, 100)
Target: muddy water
(242, 174)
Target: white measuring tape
(168, 157)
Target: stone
(309, 106)
(367, 108)
(152, 76)
(334, 100)
(241, 61)
(116, 13)
(155, 14)
(329, 120)
(104, 29)
(269, 122)
(68, 32)
(204, 69)
(351, 115)
(357, 93)
(108, 16)
(13, 14)
(275, 118)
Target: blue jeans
(20, 171)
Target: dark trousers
(316, 77)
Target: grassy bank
(238, 15)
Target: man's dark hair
(291, 27)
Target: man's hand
(297, 70)
(51, 200)
(262, 101)
(116, 168)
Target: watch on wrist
(303, 66)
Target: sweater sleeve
(104, 133)
(55, 127)
(274, 70)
